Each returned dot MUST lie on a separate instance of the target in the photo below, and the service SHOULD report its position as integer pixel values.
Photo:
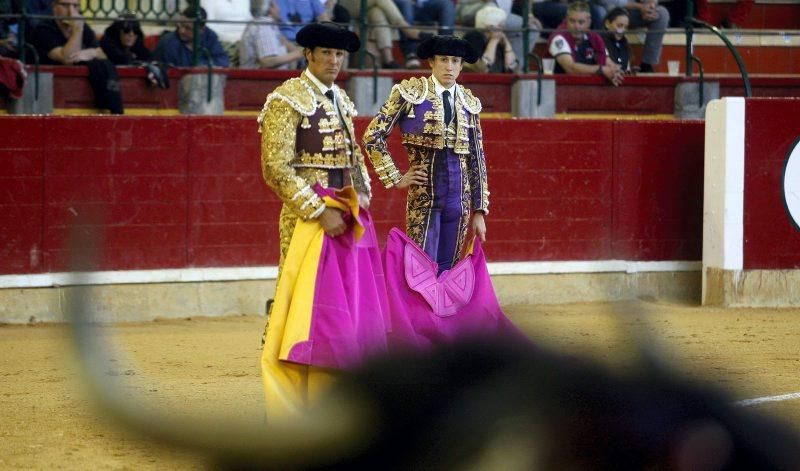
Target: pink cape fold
(427, 310)
(350, 311)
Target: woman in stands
(123, 43)
(619, 51)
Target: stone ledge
(145, 302)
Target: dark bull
(474, 406)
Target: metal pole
(362, 33)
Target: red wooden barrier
(771, 240)
(187, 191)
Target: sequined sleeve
(361, 176)
(278, 134)
(377, 134)
(477, 173)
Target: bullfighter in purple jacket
(440, 130)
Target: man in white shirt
(264, 46)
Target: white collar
(322, 87)
(439, 88)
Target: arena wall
(182, 200)
(751, 246)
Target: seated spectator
(497, 55)
(8, 29)
(229, 34)
(123, 43)
(263, 45)
(550, 13)
(381, 14)
(424, 12)
(337, 12)
(619, 51)
(296, 13)
(650, 15)
(36, 7)
(578, 51)
(473, 10)
(175, 47)
(68, 40)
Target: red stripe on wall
(178, 192)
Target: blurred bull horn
(329, 432)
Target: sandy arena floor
(46, 420)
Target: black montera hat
(328, 35)
(447, 46)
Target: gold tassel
(411, 113)
(305, 124)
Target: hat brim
(448, 46)
(328, 35)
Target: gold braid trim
(413, 90)
(471, 102)
(297, 93)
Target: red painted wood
(771, 241)
(188, 191)
(21, 190)
(658, 190)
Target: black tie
(448, 112)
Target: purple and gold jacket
(415, 108)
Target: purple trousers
(447, 210)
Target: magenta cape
(332, 292)
(427, 310)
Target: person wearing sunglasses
(123, 41)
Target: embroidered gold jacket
(302, 137)
(416, 109)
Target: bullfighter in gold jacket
(305, 140)
(329, 312)
(441, 132)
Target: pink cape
(427, 310)
(349, 312)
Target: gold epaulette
(413, 90)
(471, 102)
(297, 93)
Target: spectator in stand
(619, 51)
(68, 40)
(488, 38)
(175, 47)
(123, 41)
(655, 18)
(263, 45)
(484, 14)
(424, 12)
(551, 13)
(733, 19)
(299, 13)
(37, 7)
(123, 44)
(336, 12)
(229, 34)
(578, 51)
(381, 14)
(8, 28)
